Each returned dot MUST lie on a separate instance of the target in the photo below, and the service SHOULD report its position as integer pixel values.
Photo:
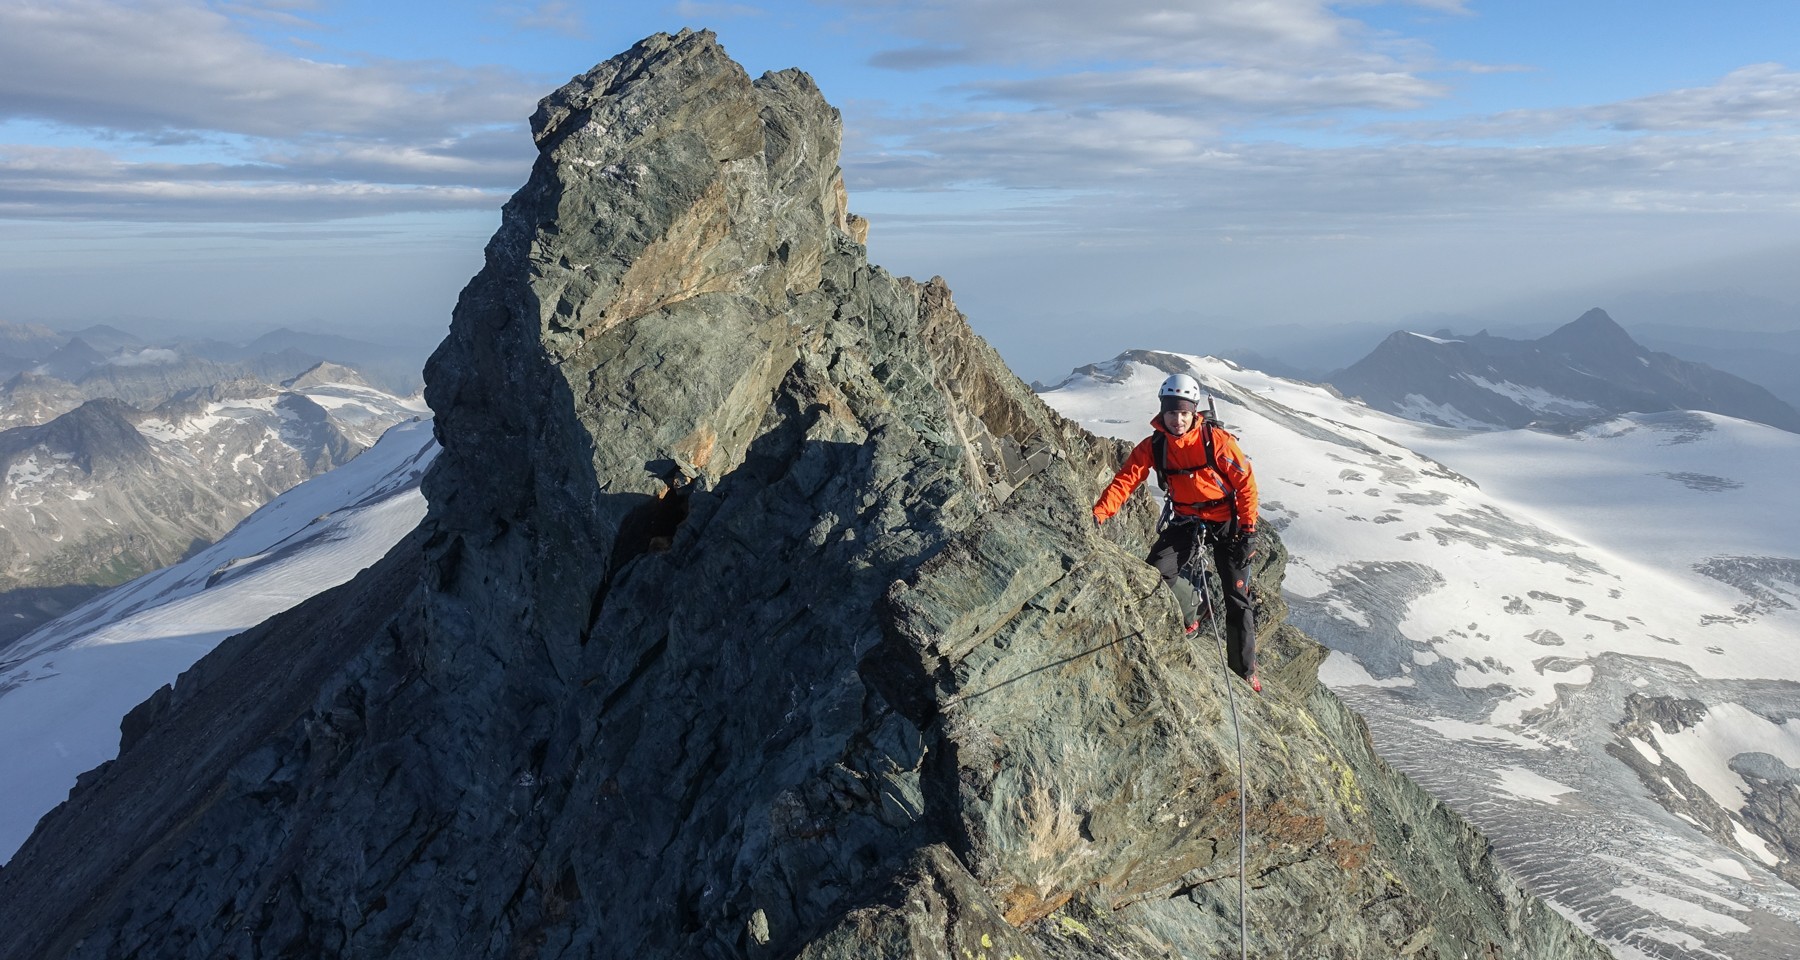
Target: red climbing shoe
(1192, 629)
(1255, 682)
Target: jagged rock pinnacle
(757, 614)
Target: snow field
(65, 687)
(1492, 596)
(1514, 564)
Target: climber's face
(1178, 422)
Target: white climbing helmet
(1183, 386)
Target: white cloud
(1764, 94)
(1184, 179)
(1253, 118)
(493, 159)
(283, 134)
(1444, 6)
(1271, 33)
(65, 183)
(690, 10)
(1227, 111)
(1256, 89)
(159, 65)
(554, 16)
(1745, 103)
(1137, 97)
(149, 357)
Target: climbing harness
(1205, 538)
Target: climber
(1212, 501)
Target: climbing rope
(1213, 611)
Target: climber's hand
(1243, 547)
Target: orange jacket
(1188, 452)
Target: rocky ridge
(756, 614)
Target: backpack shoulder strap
(1212, 461)
(1158, 442)
(1163, 472)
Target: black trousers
(1173, 551)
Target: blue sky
(1200, 176)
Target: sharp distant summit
(1585, 370)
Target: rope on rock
(1213, 611)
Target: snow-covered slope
(361, 411)
(245, 428)
(65, 687)
(1584, 642)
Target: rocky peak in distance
(757, 613)
(1594, 333)
(325, 372)
(1586, 369)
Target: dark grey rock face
(1585, 369)
(757, 615)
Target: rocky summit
(757, 614)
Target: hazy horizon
(1145, 174)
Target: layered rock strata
(757, 614)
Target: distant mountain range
(103, 361)
(1586, 370)
(119, 454)
(106, 492)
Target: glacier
(1495, 599)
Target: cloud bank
(162, 81)
(1297, 114)
(1116, 123)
